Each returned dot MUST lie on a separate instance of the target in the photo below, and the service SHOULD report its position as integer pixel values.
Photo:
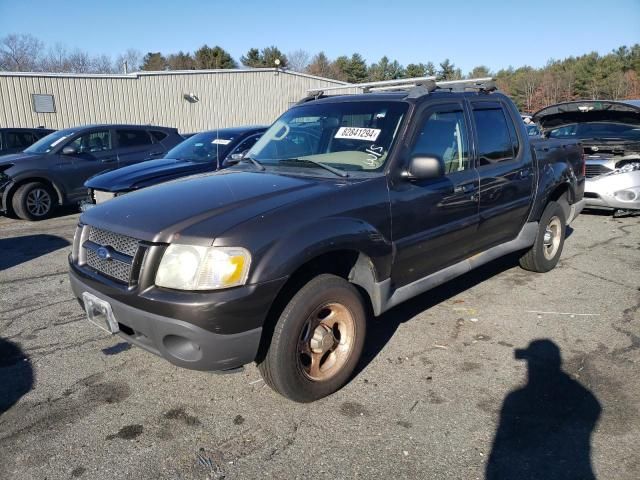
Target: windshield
(598, 131)
(202, 147)
(353, 136)
(48, 143)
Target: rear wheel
(545, 252)
(317, 340)
(33, 201)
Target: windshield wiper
(255, 162)
(334, 170)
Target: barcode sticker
(353, 133)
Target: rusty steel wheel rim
(326, 341)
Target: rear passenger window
(157, 135)
(132, 138)
(494, 141)
(19, 139)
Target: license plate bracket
(99, 313)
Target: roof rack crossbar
(368, 86)
(482, 83)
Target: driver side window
(93, 142)
(444, 135)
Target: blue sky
(491, 32)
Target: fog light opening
(182, 348)
(626, 195)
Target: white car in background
(610, 135)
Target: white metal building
(191, 101)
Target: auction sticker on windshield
(353, 133)
(221, 141)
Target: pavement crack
(38, 277)
(600, 277)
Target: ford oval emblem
(103, 253)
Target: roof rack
(399, 84)
(417, 86)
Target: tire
(317, 341)
(545, 252)
(33, 201)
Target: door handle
(108, 160)
(524, 173)
(464, 188)
(155, 154)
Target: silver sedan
(618, 189)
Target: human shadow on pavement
(16, 374)
(545, 427)
(18, 250)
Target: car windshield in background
(350, 136)
(202, 147)
(51, 141)
(598, 131)
(532, 129)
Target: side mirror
(69, 150)
(422, 167)
(234, 158)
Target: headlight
(187, 267)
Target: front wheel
(33, 201)
(547, 248)
(317, 340)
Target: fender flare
(291, 251)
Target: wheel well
(19, 183)
(342, 263)
(561, 195)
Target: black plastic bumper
(181, 342)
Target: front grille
(119, 265)
(595, 170)
(120, 243)
(112, 268)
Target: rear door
(135, 145)
(434, 220)
(506, 172)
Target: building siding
(226, 98)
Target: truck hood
(197, 209)
(555, 116)
(131, 177)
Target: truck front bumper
(180, 342)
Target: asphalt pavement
(501, 373)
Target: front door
(94, 154)
(434, 220)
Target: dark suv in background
(14, 140)
(200, 153)
(53, 170)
